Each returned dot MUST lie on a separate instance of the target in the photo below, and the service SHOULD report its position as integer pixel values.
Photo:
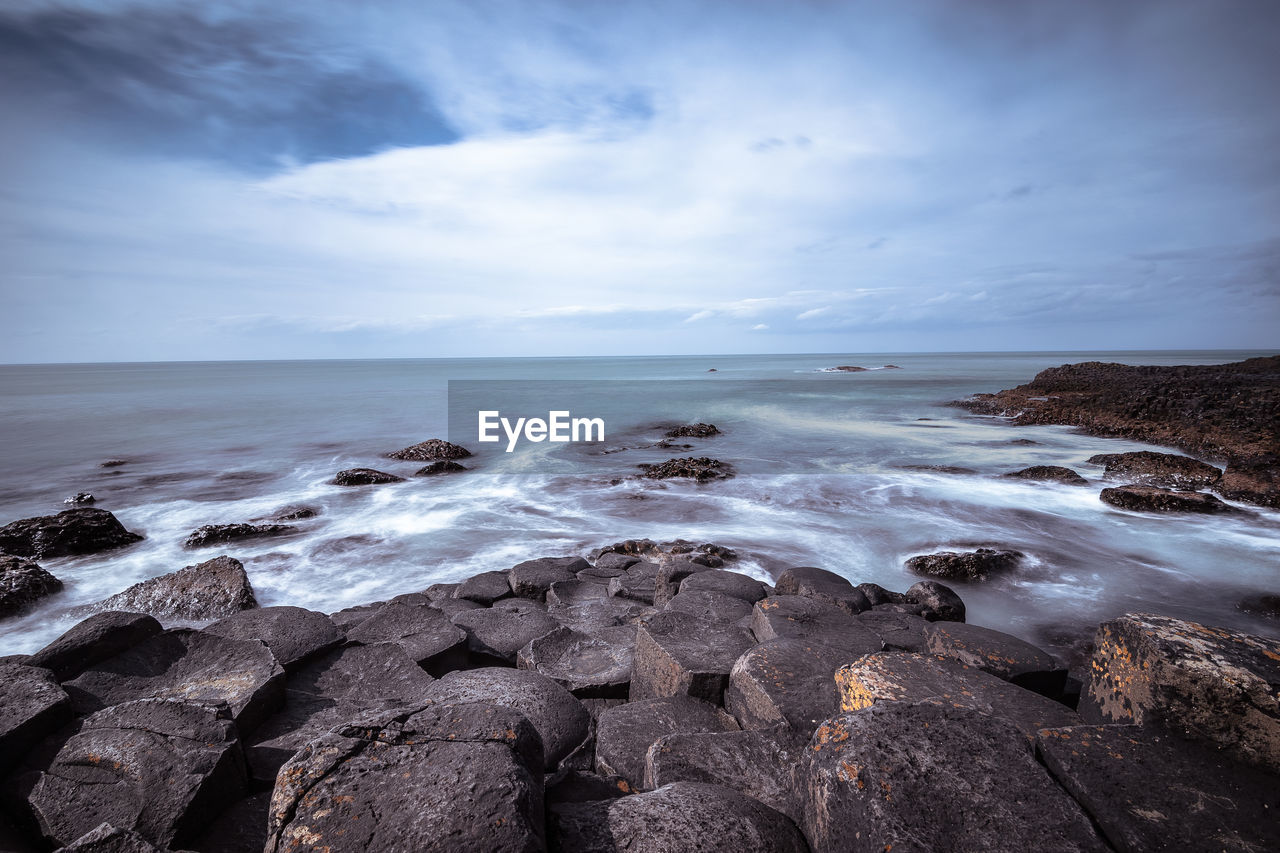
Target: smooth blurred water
(820, 481)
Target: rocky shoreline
(641, 697)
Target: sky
(244, 179)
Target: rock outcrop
(1169, 470)
(364, 477)
(979, 565)
(22, 585)
(69, 533)
(208, 590)
(431, 450)
(700, 468)
(1156, 499)
(218, 534)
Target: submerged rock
(979, 565)
(1156, 499)
(364, 477)
(69, 533)
(217, 534)
(440, 466)
(1049, 474)
(1145, 468)
(429, 450)
(22, 584)
(700, 468)
(208, 590)
(693, 431)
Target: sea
(849, 471)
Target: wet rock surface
(431, 449)
(364, 477)
(693, 431)
(1146, 468)
(101, 636)
(588, 665)
(1156, 499)
(700, 468)
(69, 533)
(427, 635)
(218, 534)
(683, 654)
(440, 466)
(822, 584)
(979, 565)
(1000, 654)
(1049, 474)
(23, 584)
(208, 590)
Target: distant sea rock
(440, 466)
(693, 431)
(432, 448)
(976, 565)
(1049, 473)
(700, 468)
(364, 477)
(217, 534)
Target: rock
(349, 617)
(625, 733)
(577, 786)
(427, 635)
(678, 818)
(681, 654)
(904, 677)
(160, 767)
(190, 665)
(941, 601)
(1168, 470)
(242, 828)
(595, 665)
(734, 584)
(789, 681)
(638, 583)
(292, 513)
(441, 597)
(847, 368)
(590, 613)
(757, 764)
(32, 706)
(440, 466)
(101, 636)
(81, 498)
(878, 595)
(905, 608)
(1199, 800)
(824, 585)
(566, 594)
(711, 606)
(700, 468)
(920, 777)
(22, 584)
(105, 838)
(1261, 604)
(217, 534)
(503, 629)
(1155, 499)
(938, 469)
(671, 574)
(69, 533)
(1000, 654)
(612, 561)
(979, 565)
(208, 590)
(113, 463)
(899, 631)
(1206, 683)
(1254, 480)
(1049, 474)
(485, 588)
(332, 690)
(693, 431)
(812, 619)
(446, 778)
(429, 450)
(291, 633)
(364, 477)
(532, 578)
(561, 720)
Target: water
(821, 480)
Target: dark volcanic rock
(1169, 470)
(1261, 604)
(904, 677)
(878, 595)
(942, 602)
(291, 633)
(677, 818)
(588, 607)
(594, 665)
(81, 499)
(976, 565)
(1151, 792)
(440, 466)
(899, 631)
(22, 584)
(693, 431)
(1000, 654)
(505, 628)
(734, 584)
(1156, 499)
(364, 477)
(757, 764)
(1049, 474)
(70, 532)
(938, 469)
(485, 588)
(822, 584)
(160, 767)
(561, 720)
(1255, 480)
(920, 777)
(711, 606)
(700, 468)
(426, 634)
(332, 690)
(578, 786)
(431, 449)
(847, 368)
(95, 639)
(612, 561)
(447, 778)
(32, 706)
(531, 578)
(638, 583)
(242, 828)
(208, 590)
(217, 534)
(812, 619)
(625, 733)
(680, 654)
(671, 574)
(106, 838)
(189, 665)
(293, 513)
(1207, 683)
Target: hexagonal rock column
(758, 764)
(625, 733)
(1000, 654)
(445, 778)
(160, 767)
(824, 585)
(293, 634)
(532, 578)
(502, 630)
(1150, 791)
(678, 653)
(32, 706)
(921, 777)
(1207, 683)
(208, 590)
(426, 634)
(905, 677)
(676, 818)
(735, 584)
(809, 618)
(95, 639)
(594, 665)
